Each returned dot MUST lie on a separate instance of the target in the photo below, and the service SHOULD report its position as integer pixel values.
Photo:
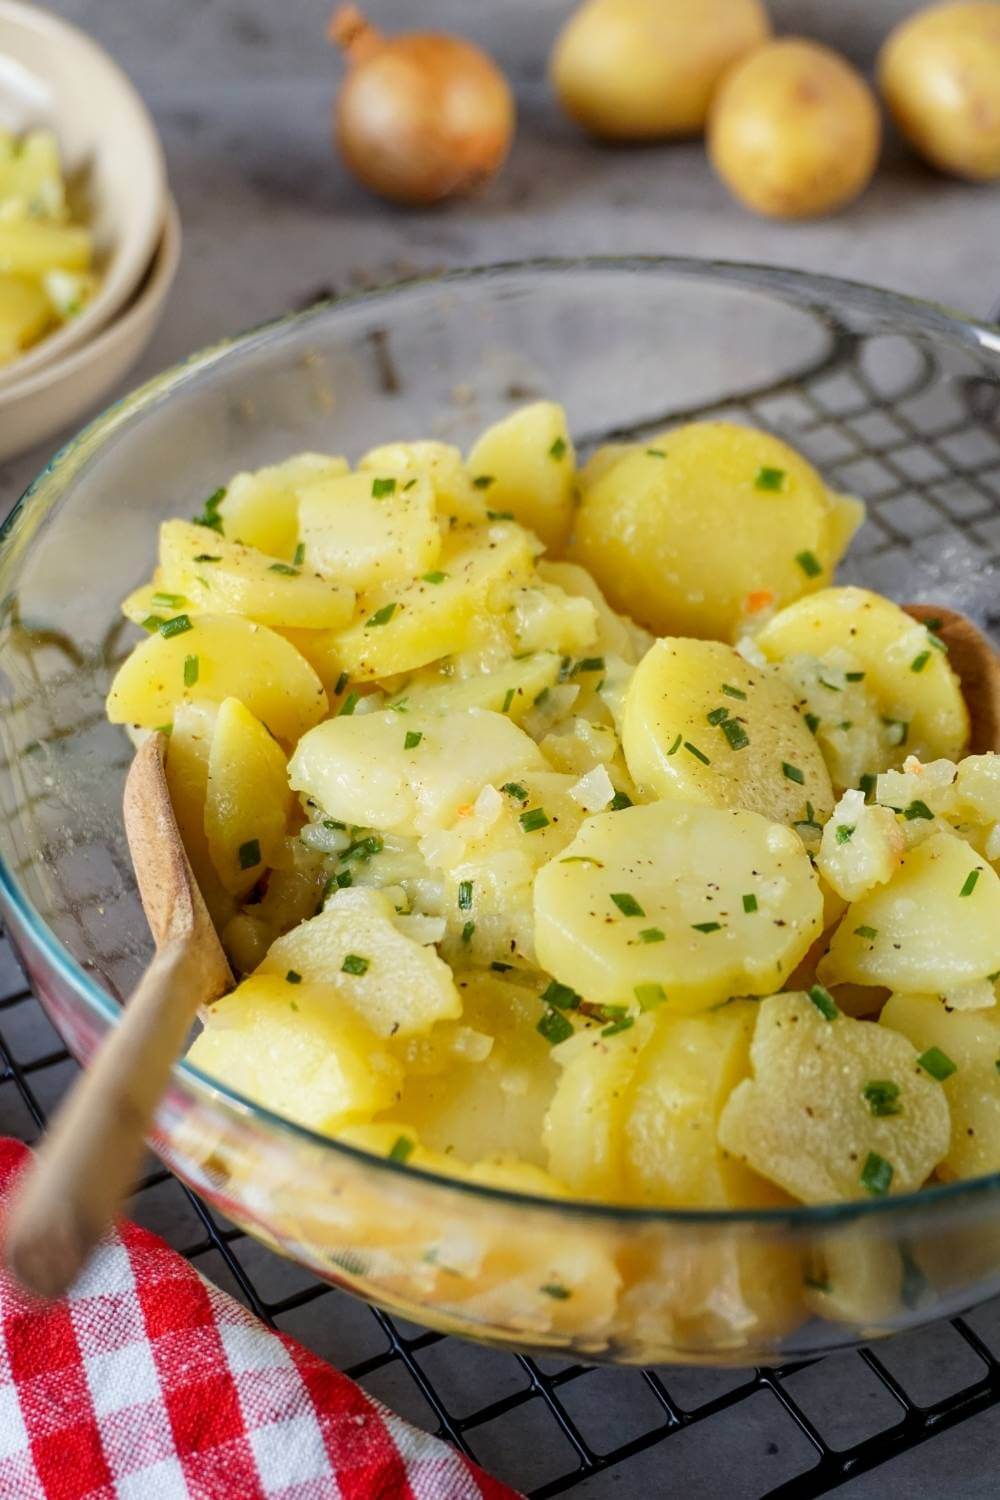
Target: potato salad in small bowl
(601, 824)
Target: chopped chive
(769, 479)
(676, 745)
(876, 1174)
(698, 755)
(558, 449)
(735, 734)
(409, 485)
(483, 481)
(342, 682)
(917, 809)
(717, 715)
(622, 1024)
(554, 1027)
(465, 895)
(381, 616)
(383, 487)
(588, 664)
(871, 933)
(541, 697)
(824, 1002)
(412, 739)
(169, 601)
(299, 556)
(733, 692)
(334, 825)
(831, 687)
(627, 904)
(399, 707)
(937, 1063)
(652, 935)
(508, 699)
(534, 819)
(208, 557)
(855, 676)
(209, 514)
(812, 722)
(882, 1097)
(809, 563)
(620, 801)
(501, 968)
(557, 1290)
(401, 1149)
(354, 964)
(920, 661)
(363, 849)
(248, 854)
(933, 639)
(516, 790)
(970, 883)
(649, 995)
(845, 832)
(866, 784)
(793, 773)
(561, 996)
(500, 515)
(284, 568)
(655, 453)
(349, 704)
(467, 931)
(177, 626)
(435, 576)
(706, 926)
(293, 977)
(191, 668)
(816, 1283)
(749, 902)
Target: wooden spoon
(87, 1164)
(977, 666)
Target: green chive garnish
(876, 1174)
(769, 479)
(557, 1290)
(871, 933)
(561, 996)
(717, 715)
(750, 902)
(465, 895)
(693, 750)
(676, 745)
(354, 964)
(248, 854)
(793, 773)
(812, 722)
(809, 563)
(284, 568)
(191, 668)
(652, 935)
(402, 1148)
(516, 790)
(177, 626)
(735, 734)
(435, 576)
(342, 682)
(381, 616)
(349, 704)
(622, 1024)
(970, 883)
(937, 1063)
(293, 977)
(619, 801)
(917, 809)
(920, 661)
(300, 554)
(483, 481)
(844, 833)
(655, 453)
(508, 699)
(412, 739)
(558, 449)
(500, 515)
(627, 904)
(383, 487)
(733, 692)
(208, 557)
(649, 995)
(467, 931)
(534, 819)
(588, 664)
(824, 1002)
(554, 1027)
(706, 926)
(882, 1097)
(169, 601)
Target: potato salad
(562, 849)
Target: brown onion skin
(423, 117)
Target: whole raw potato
(940, 74)
(794, 130)
(633, 70)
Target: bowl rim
(133, 254)
(927, 317)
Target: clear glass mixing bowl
(893, 399)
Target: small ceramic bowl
(41, 402)
(53, 75)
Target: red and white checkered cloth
(148, 1383)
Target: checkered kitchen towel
(148, 1383)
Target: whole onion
(420, 117)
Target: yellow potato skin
(675, 687)
(939, 72)
(641, 70)
(679, 531)
(794, 130)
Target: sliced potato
(966, 1062)
(369, 529)
(836, 1109)
(856, 1277)
(682, 529)
(525, 464)
(34, 246)
(616, 634)
(299, 1050)
(907, 676)
(702, 725)
(451, 610)
(25, 314)
(935, 925)
(862, 847)
(248, 800)
(186, 767)
(510, 688)
(262, 509)
(398, 986)
(727, 905)
(459, 502)
(220, 577)
(584, 1127)
(542, 616)
(359, 768)
(235, 659)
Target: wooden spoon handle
(87, 1163)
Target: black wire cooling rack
(924, 452)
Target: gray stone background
(241, 91)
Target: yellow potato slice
(450, 610)
(542, 616)
(369, 529)
(510, 688)
(214, 576)
(855, 1277)
(525, 464)
(616, 634)
(186, 767)
(32, 247)
(934, 926)
(248, 800)
(836, 1109)
(400, 987)
(728, 905)
(360, 769)
(25, 314)
(458, 500)
(908, 678)
(961, 1049)
(702, 725)
(262, 509)
(584, 1127)
(682, 529)
(298, 1049)
(235, 659)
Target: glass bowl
(893, 399)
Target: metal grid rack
(926, 457)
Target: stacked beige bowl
(52, 75)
